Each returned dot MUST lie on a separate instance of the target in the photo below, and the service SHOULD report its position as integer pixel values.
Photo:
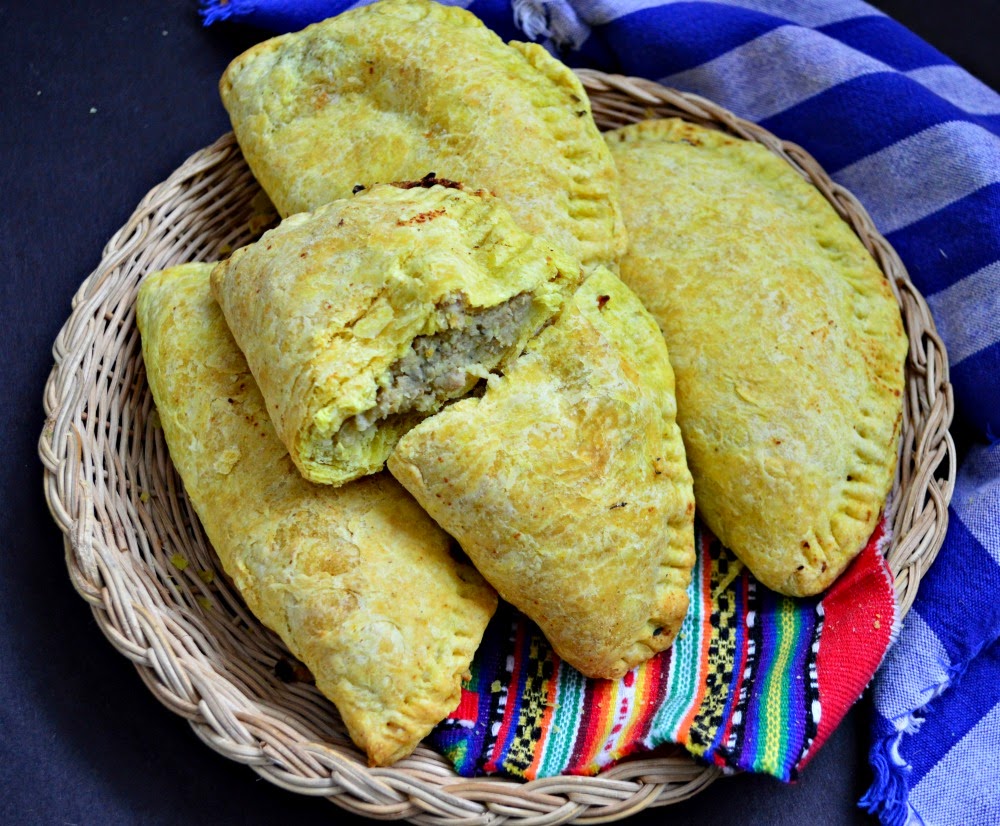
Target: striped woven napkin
(917, 139)
(754, 681)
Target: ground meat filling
(442, 366)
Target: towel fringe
(887, 796)
(554, 20)
(214, 11)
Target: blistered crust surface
(400, 88)
(786, 342)
(327, 302)
(356, 580)
(566, 482)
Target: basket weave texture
(137, 554)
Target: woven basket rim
(95, 470)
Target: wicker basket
(137, 554)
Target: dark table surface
(100, 102)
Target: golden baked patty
(400, 88)
(786, 341)
(362, 318)
(566, 484)
(357, 580)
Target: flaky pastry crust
(400, 88)
(786, 341)
(566, 482)
(328, 304)
(357, 580)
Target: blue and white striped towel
(917, 139)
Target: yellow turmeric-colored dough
(357, 580)
(566, 484)
(786, 341)
(362, 318)
(400, 88)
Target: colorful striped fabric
(917, 139)
(755, 681)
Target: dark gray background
(82, 741)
